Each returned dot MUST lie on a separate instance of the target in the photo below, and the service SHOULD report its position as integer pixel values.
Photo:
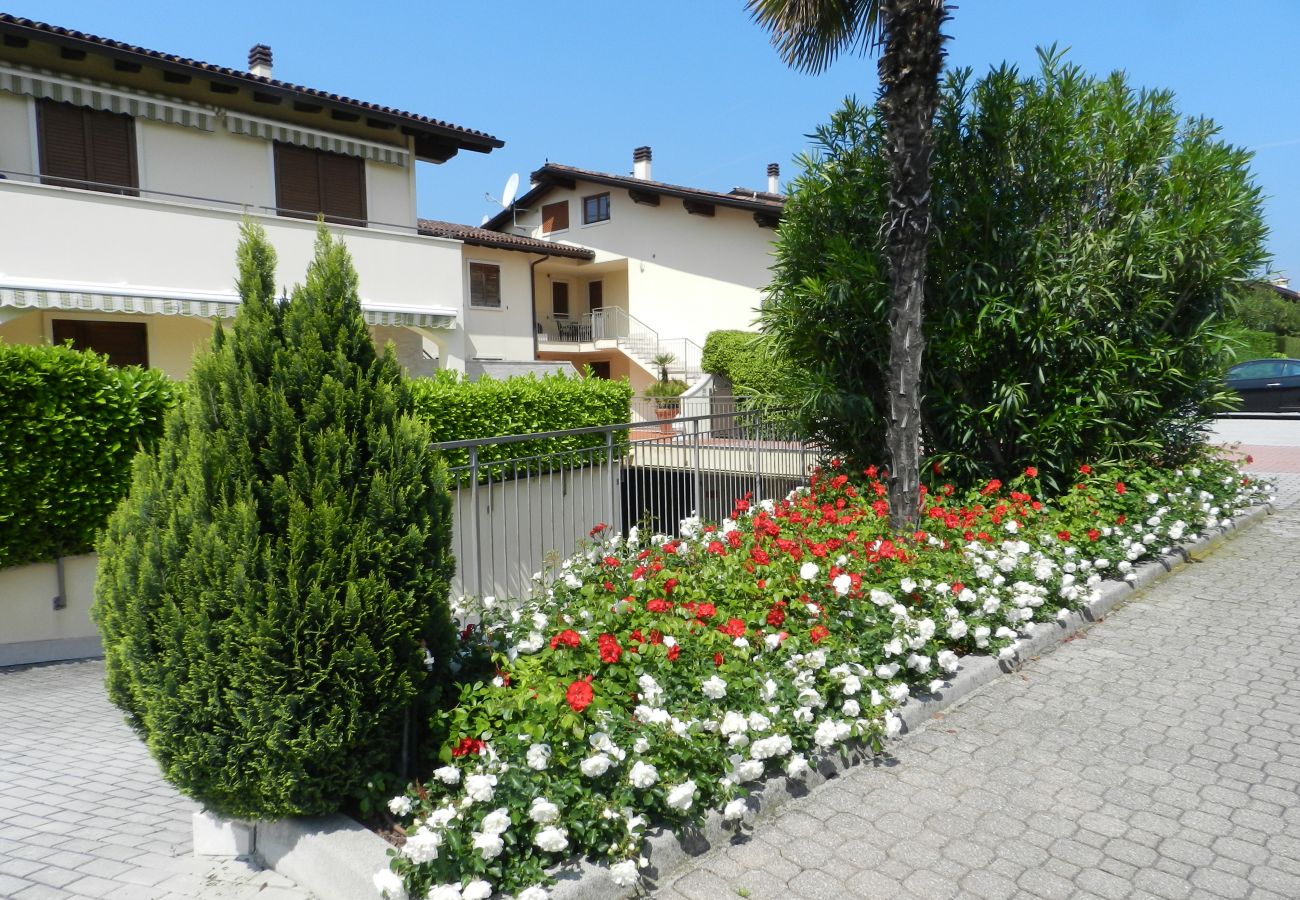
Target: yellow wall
(172, 339)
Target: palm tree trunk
(909, 78)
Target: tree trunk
(909, 78)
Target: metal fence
(515, 516)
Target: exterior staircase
(642, 343)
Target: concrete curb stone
(335, 858)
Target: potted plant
(666, 396)
(662, 361)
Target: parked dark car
(1267, 385)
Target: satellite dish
(510, 190)
(486, 219)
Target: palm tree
(809, 35)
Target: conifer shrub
(70, 425)
(265, 588)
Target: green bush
(1259, 308)
(265, 588)
(69, 426)
(1085, 240)
(1290, 347)
(746, 360)
(458, 409)
(1244, 344)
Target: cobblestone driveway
(83, 810)
(1159, 756)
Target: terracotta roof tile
(482, 237)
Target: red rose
(1031, 471)
(958, 587)
(717, 660)
(579, 695)
(1085, 469)
(566, 638)
(775, 616)
(1120, 488)
(734, 628)
(705, 611)
(658, 606)
(716, 548)
(1063, 535)
(610, 651)
(467, 746)
(1093, 534)
(597, 530)
(819, 633)
(669, 585)
(674, 651)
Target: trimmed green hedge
(745, 358)
(1248, 344)
(459, 409)
(69, 426)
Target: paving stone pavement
(84, 812)
(1158, 756)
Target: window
(310, 182)
(1260, 368)
(595, 295)
(555, 216)
(484, 285)
(595, 208)
(80, 145)
(125, 343)
(560, 299)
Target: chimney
(641, 163)
(773, 178)
(259, 60)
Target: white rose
(769, 690)
(714, 688)
(948, 661)
(623, 874)
(808, 571)
(748, 770)
(880, 598)
(682, 796)
(439, 818)
(733, 723)
(734, 810)
(389, 885)
(851, 708)
(447, 774)
(539, 756)
(488, 844)
(543, 811)
(893, 725)
(496, 821)
(643, 775)
(852, 684)
(908, 585)
(595, 766)
(957, 630)
(444, 892)
(824, 736)
(797, 767)
(479, 788)
(842, 583)
(552, 839)
(476, 890)
(400, 806)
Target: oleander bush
(70, 425)
(1086, 239)
(274, 587)
(456, 408)
(649, 679)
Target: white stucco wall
(211, 164)
(505, 333)
(687, 275)
(31, 629)
(390, 196)
(15, 134)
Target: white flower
(488, 844)
(893, 725)
(918, 662)
(400, 806)
(536, 892)
(898, 692)
(715, 689)
(643, 775)
(816, 659)
(439, 818)
(797, 767)
(623, 874)
(552, 839)
(824, 736)
(496, 821)
(851, 685)
(595, 766)
(908, 585)
(733, 723)
(1012, 526)
(982, 636)
(444, 892)
(539, 757)
(651, 692)
(808, 571)
(948, 661)
(886, 671)
(1007, 652)
(880, 598)
(759, 722)
(851, 708)
(957, 630)
(776, 745)
(389, 885)
(748, 770)
(476, 890)
(479, 788)
(894, 648)
(682, 796)
(734, 810)
(802, 714)
(842, 583)
(447, 774)
(809, 697)
(543, 811)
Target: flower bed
(652, 679)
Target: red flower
(775, 616)
(669, 585)
(567, 638)
(597, 530)
(958, 587)
(716, 548)
(1249, 459)
(759, 556)
(705, 611)
(611, 561)
(610, 651)
(1093, 534)
(658, 606)
(674, 651)
(656, 636)
(1032, 471)
(819, 633)
(1120, 488)
(717, 660)
(1063, 535)
(580, 695)
(1121, 519)
(1085, 469)
(734, 628)
(467, 746)
(991, 488)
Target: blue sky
(582, 83)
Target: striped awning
(238, 123)
(204, 305)
(45, 85)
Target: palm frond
(810, 34)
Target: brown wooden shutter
(555, 216)
(297, 182)
(343, 187)
(111, 138)
(596, 295)
(125, 343)
(560, 299)
(485, 285)
(64, 154)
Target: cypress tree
(267, 589)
